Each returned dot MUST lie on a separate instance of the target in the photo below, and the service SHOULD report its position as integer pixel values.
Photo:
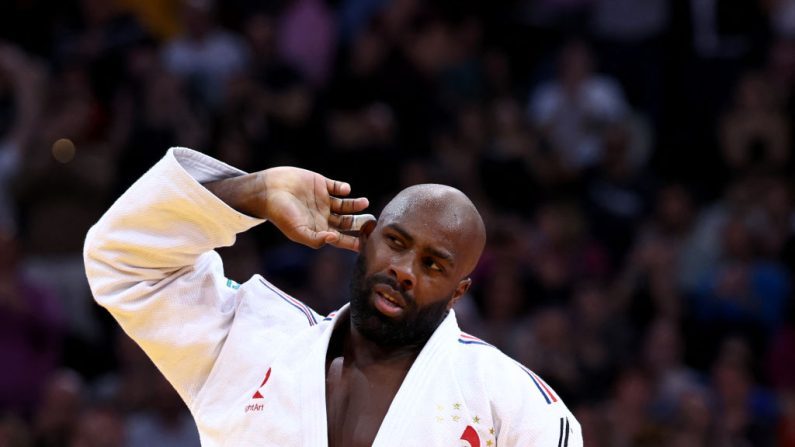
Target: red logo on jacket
(470, 436)
(258, 394)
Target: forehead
(431, 222)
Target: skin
(420, 251)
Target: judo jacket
(249, 360)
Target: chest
(293, 396)
(357, 402)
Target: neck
(356, 349)
(362, 351)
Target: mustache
(380, 278)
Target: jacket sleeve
(150, 262)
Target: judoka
(257, 367)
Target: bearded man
(257, 367)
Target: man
(257, 367)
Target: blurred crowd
(633, 161)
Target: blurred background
(632, 160)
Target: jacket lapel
(401, 422)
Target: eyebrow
(401, 230)
(443, 255)
(436, 252)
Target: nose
(402, 270)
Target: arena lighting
(63, 150)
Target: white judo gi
(249, 360)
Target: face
(408, 275)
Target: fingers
(316, 239)
(341, 222)
(337, 188)
(350, 222)
(344, 206)
(348, 206)
(351, 228)
(310, 238)
(344, 241)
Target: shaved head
(445, 210)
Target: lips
(388, 301)
(389, 294)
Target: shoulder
(527, 407)
(272, 307)
(504, 373)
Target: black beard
(414, 328)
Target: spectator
(512, 160)
(648, 284)
(204, 56)
(311, 53)
(630, 40)
(617, 193)
(744, 287)
(745, 412)
(702, 247)
(58, 409)
(755, 131)
(167, 424)
(695, 424)
(23, 78)
(629, 411)
(573, 110)
(503, 305)
(561, 251)
(31, 332)
(663, 360)
(603, 339)
(460, 149)
(99, 39)
(14, 432)
(99, 426)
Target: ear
(460, 290)
(366, 230)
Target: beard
(413, 328)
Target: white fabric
(150, 262)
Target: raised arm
(304, 205)
(150, 258)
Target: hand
(304, 205)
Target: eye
(394, 241)
(431, 264)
